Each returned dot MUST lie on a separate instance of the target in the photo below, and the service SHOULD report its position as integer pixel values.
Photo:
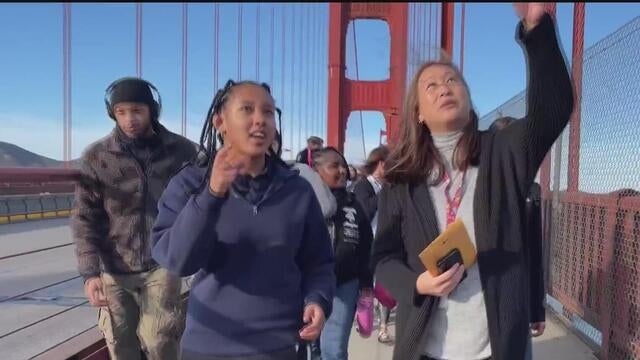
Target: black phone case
(452, 258)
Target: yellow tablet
(454, 237)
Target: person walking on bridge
(122, 178)
(252, 231)
(351, 237)
(445, 170)
(313, 143)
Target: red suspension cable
(355, 53)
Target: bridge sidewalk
(557, 343)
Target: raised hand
(530, 13)
(226, 167)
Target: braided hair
(209, 137)
(318, 157)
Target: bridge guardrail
(18, 208)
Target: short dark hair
(381, 153)
(315, 140)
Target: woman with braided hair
(252, 232)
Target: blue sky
(103, 49)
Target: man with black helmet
(123, 176)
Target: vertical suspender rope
(291, 91)
(271, 45)
(416, 43)
(355, 53)
(258, 42)
(425, 40)
(216, 36)
(462, 39)
(420, 25)
(283, 42)
(66, 72)
(240, 42)
(299, 90)
(307, 90)
(431, 45)
(139, 39)
(185, 26)
(64, 82)
(438, 21)
(316, 82)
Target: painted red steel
(344, 95)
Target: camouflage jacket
(116, 202)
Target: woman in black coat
(444, 169)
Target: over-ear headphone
(157, 104)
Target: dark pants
(287, 354)
(428, 358)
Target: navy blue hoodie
(256, 263)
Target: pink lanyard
(453, 204)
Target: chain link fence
(592, 235)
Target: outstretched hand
(530, 13)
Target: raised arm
(549, 91)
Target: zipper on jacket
(272, 190)
(145, 178)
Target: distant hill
(15, 156)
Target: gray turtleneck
(458, 328)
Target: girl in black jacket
(351, 238)
(444, 169)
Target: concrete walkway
(557, 343)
